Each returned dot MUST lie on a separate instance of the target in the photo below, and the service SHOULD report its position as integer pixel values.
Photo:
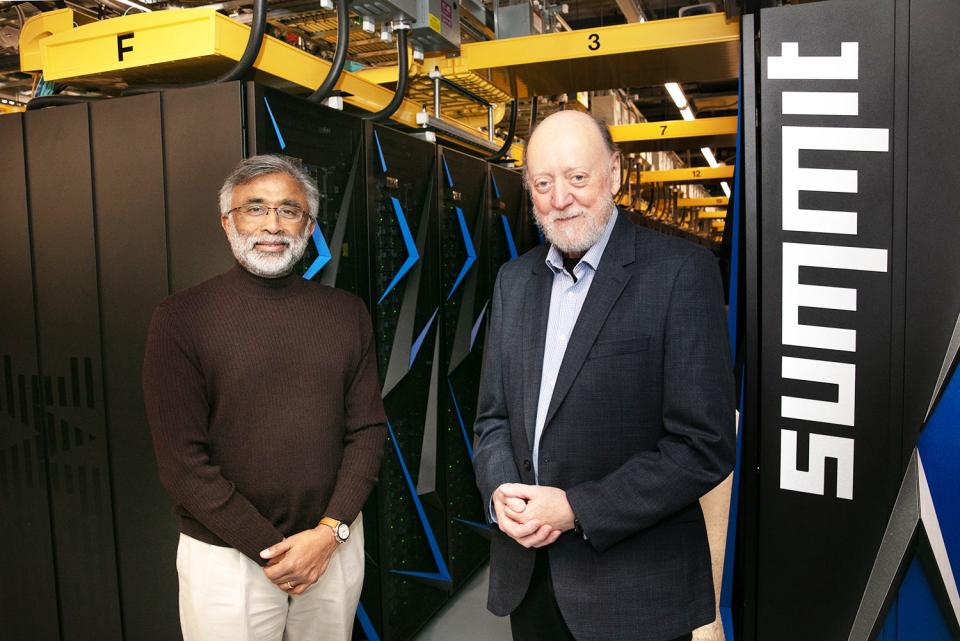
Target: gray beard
(577, 244)
(261, 263)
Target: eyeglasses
(255, 210)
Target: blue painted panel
(939, 448)
(918, 616)
(889, 630)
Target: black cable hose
(339, 55)
(258, 27)
(56, 100)
(403, 77)
(511, 131)
(533, 113)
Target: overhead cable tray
(189, 45)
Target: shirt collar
(554, 258)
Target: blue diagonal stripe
(463, 428)
(442, 573)
(412, 255)
(446, 171)
(276, 128)
(511, 245)
(366, 624)
(417, 344)
(323, 253)
(383, 162)
(471, 252)
(496, 190)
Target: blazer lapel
(536, 311)
(607, 285)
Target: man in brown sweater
(262, 396)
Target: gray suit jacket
(641, 425)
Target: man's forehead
(569, 138)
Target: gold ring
(290, 585)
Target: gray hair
(256, 166)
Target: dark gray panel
(27, 587)
(58, 171)
(126, 142)
(933, 263)
(203, 140)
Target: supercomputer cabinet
(407, 572)
(465, 226)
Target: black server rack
(407, 575)
(465, 285)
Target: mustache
(281, 238)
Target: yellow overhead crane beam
(714, 201)
(687, 175)
(182, 46)
(674, 135)
(698, 48)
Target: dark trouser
(538, 616)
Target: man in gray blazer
(606, 410)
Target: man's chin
(268, 264)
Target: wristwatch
(340, 529)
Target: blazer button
(527, 465)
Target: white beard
(570, 241)
(264, 264)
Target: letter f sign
(122, 49)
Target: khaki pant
(226, 596)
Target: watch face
(343, 531)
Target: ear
(615, 176)
(224, 221)
(311, 223)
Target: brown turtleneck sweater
(264, 405)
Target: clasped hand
(298, 561)
(532, 515)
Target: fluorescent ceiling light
(687, 114)
(679, 99)
(726, 188)
(708, 154)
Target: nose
(271, 222)
(561, 196)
